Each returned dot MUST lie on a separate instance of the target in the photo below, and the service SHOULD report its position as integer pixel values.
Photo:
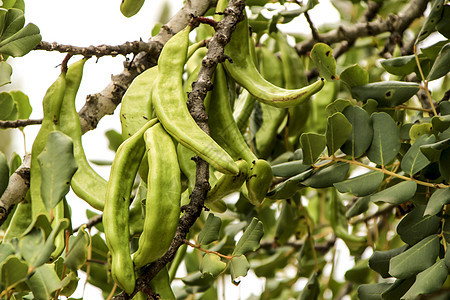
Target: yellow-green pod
(228, 184)
(162, 206)
(130, 7)
(259, 181)
(116, 212)
(169, 102)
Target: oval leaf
(414, 226)
(397, 194)
(379, 261)
(250, 239)
(5, 73)
(386, 93)
(437, 201)
(416, 259)
(355, 76)
(210, 231)
(338, 130)
(441, 65)
(322, 56)
(312, 144)
(238, 268)
(386, 139)
(326, 177)
(361, 185)
(428, 281)
(212, 265)
(362, 133)
(414, 160)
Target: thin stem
(207, 251)
(425, 82)
(20, 123)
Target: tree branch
(232, 15)
(413, 10)
(19, 123)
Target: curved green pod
(51, 107)
(162, 206)
(244, 71)
(86, 183)
(116, 211)
(169, 102)
(228, 184)
(130, 7)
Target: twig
(199, 247)
(413, 10)
(314, 32)
(91, 222)
(20, 123)
(232, 15)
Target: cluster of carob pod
(160, 138)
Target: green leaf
(326, 177)
(20, 221)
(338, 130)
(337, 105)
(355, 76)
(5, 73)
(312, 144)
(6, 249)
(57, 163)
(370, 106)
(397, 194)
(379, 261)
(78, 252)
(441, 65)
(250, 239)
(12, 270)
(372, 291)
(362, 133)
(414, 226)
(400, 66)
(114, 138)
(21, 42)
(290, 168)
(210, 231)
(430, 23)
(386, 93)
(322, 56)
(360, 273)
(312, 289)
(239, 267)
(416, 259)
(444, 162)
(212, 265)
(441, 123)
(433, 151)
(428, 281)
(386, 139)
(288, 188)
(439, 198)
(361, 185)
(4, 173)
(443, 26)
(44, 282)
(417, 130)
(361, 205)
(14, 21)
(8, 109)
(22, 101)
(398, 288)
(414, 161)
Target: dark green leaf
(398, 288)
(361, 205)
(441, 65)
(338, 130)
(355, 76)
(396, 194)
(288, 188)
(414, 226)
(44, 282)
(379, 261)
(250, 239)
(8, 109)
(441, 123)
(14, 21)
(239, 267)
(312, 144)
(322, 56)
(414, 161)
(21, 42)
(433, 151)
(386, 93)
(44, 253)
(361, 185)
(78, 250)
(443, 26)
(337, 106)
(401, 66)
(428, 281)
(386, 139)
(372, 291)
(290, 168)
(311, 290)
(431, 21)
(361, 136)
(326, 177)
(5, 73)
(57, 163)
(416, 259)
(210, 231)
(444, 162)
(360, 273)
(437, 201)
(370, 106)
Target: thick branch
(232, 15)
(18, 185)
(413, 10)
